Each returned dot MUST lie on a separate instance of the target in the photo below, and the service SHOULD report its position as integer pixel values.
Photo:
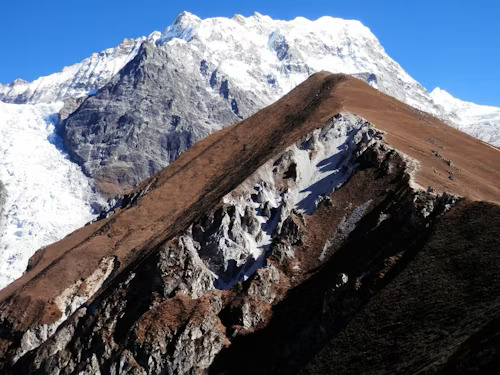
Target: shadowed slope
(440, 315)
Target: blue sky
(452, 44)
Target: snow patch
(296, 180)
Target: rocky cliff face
(148, 114)
(301, 219)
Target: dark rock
(146, 116)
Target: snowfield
(48, 196)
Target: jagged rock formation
(271, 235)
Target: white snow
(248, 49)
(48, 196)
(77, 80)
(323, 160)
(480, 121)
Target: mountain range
(123, 114)
(277, 236)
(211, 200)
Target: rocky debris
(438, 155)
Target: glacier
(48, 195)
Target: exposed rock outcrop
(148, 114)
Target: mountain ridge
(82, 280)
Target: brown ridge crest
(448, 159)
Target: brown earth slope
(448, 160)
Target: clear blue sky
(453, 44)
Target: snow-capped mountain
(257, 52)
(202, 75)
(194, 78)
(481, 121)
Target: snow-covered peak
(184, 27)
(440, 94)
(75, 80)
(273, 56)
